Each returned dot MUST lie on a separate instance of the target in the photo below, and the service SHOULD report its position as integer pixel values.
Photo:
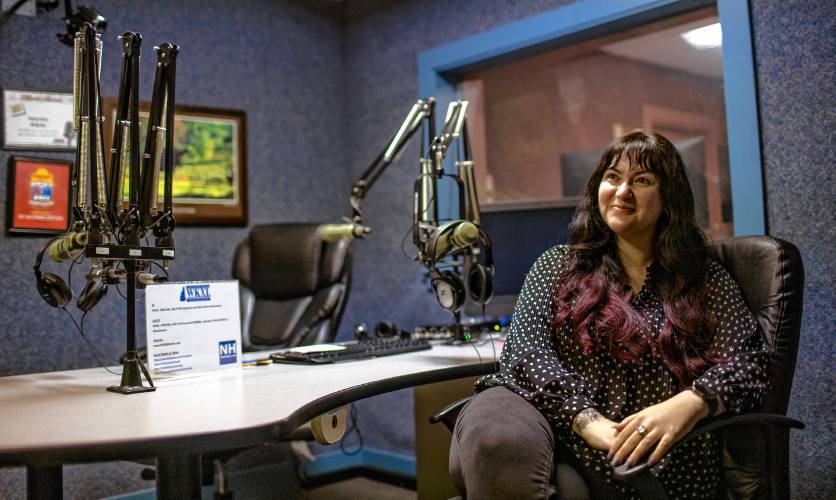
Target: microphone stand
(143, 214)
(425, 212)
(117, 236)
(422, 111)
(455, 126)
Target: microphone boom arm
(422, 110)
(126, 143)
(160, 135)
(432, 168)
(90, 200)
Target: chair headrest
(770, 273)
(285, 261)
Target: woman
(621, 342)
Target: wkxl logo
(227, 351)
(195, 293)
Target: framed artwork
(38, 195)
(38, 120)
(210, 168)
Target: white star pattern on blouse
(548, 369)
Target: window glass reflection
(539, 124)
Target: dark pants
(503, 447)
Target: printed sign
(35, 119)
(192, 327)
(39, 195)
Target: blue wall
(795, 52)
(325, 85)
(794, 49)
(280, 62)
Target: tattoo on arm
(583, 418)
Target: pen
(257, 362)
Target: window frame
(439, 69)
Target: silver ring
(641, 429)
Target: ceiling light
(706, 37)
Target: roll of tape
(329, 427)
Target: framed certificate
(38, 120)
(38, 195)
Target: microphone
(67, 247)
(453, 237)
(109, 274)
(348, 231)
(150, 279)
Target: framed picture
(38, 120)
(210, 167)
(38, 195)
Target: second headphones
(452, 291)
(383, 329)
(57, 293)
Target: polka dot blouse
(561, 385)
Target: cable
(139, 298)
(119, 291)
(164, 270)
(353, 428)
(403, 243)
(96, 354)
(490, 334)
(161, 218)
(412, 229)
(481, 363)
(77, 260)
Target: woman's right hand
(597, 430)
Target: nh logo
(227, 351)
(194, 293)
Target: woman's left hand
(663, 424)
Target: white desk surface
(69, 416)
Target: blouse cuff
(571, 407)
(708, 394)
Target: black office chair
(755, 446)
(293, 285)
(293, 291)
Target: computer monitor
(518, 237)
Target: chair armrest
(623, 473)
(450, 413)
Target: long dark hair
(593, 295)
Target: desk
(49, 419)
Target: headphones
(449, 288)
(55, 291)
(92, 293)
(384, 329)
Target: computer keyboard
(371, 348)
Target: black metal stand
(459, 335)
(132, 369)
(44, 482)
(114, 232)
(178, 476)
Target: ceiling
(666, 48)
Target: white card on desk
(192, 327)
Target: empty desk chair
(294, 286)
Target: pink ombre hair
(593, 297)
